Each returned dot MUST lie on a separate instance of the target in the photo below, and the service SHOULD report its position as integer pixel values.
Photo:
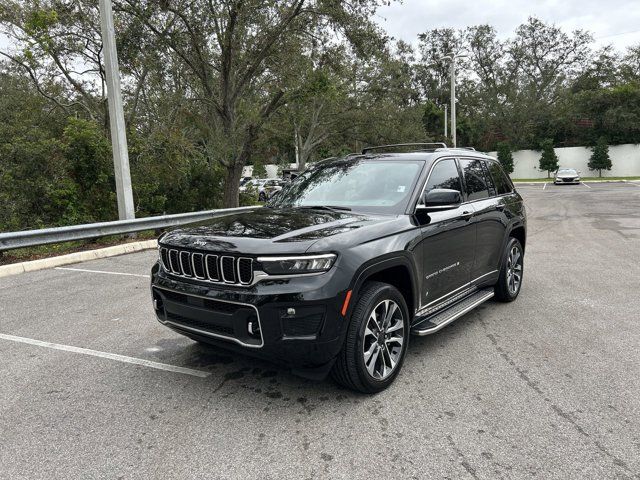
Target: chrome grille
(208, 267)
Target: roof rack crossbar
(398, 145)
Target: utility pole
(446, 120)
(116, 114)
(453, 101)
(452, 58)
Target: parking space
(547, 386)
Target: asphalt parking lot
(545, 387)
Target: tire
(351, 369)
(510, 282)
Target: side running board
(443, 318)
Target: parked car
(252, 184)
(244, 180)
(567, 175)
(269, 188)
(356, 254)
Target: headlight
(298, 264)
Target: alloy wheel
(514, 270)
(384, 337)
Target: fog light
(291, 311)
(253, 327)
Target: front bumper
(570, 181)
(295, 322)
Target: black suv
(356, 254)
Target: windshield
(566, 170)
(365, 185)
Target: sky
(615, 22)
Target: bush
(600, 157)
(505, 157)
(549, 159)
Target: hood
(279, 231)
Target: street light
(452, 59)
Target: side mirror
(441, 199)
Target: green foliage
(433, 120)
(259, 170)
(600, 157)
(549, 159)
(505, 157)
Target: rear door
(489, 217)
(448, 239)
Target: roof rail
(423, 146)
(468, 148)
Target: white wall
(624, 158)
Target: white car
(253, 184)
(567, 175)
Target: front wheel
(377, 340)
(511, 273)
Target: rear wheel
(376, 342)
(511, 273)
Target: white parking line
(582, 183)
(545, 186)
(102, 271)
(110, 356)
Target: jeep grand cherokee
(356, 254)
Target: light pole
(446, 120)
(116, 115)
(452, 58)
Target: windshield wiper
(331, 208)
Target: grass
(585, 179)
(53, 250)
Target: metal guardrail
(32, 238)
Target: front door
(448, 241)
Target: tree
(237, 57)
(600, 157)
(259, 170)
(549, 159)
(505, 157)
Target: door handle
(466, 214)
(501, 207)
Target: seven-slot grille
(207, 266)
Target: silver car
(567, 175)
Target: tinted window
(490, 183)
(363, 185)
(474, 178)
(499, 178)
(444, 175)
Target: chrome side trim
(455, 316)
(210, 334)
(424, 307)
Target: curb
(45, 263)
(540, 182)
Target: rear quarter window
(500, 179)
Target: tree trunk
(232, 184)
(599, 172)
